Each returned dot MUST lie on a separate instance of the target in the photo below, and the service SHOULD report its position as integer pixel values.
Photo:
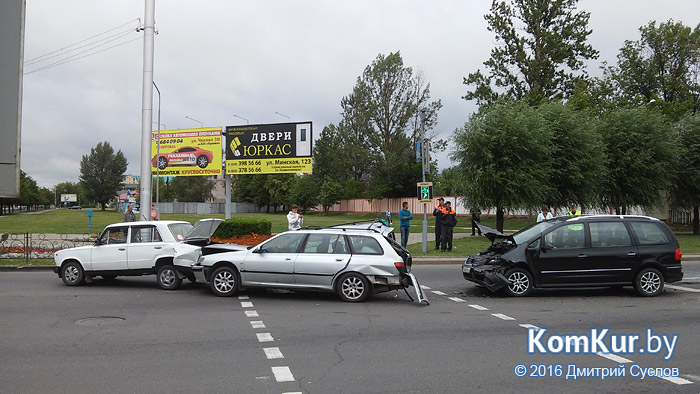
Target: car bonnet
(203, 229)
(493, 234)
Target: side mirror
(259, 250)
(547, 247)
(99, 242)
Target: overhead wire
(90, 44)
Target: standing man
(294, 219)
(545, 214)
(404, 217)
(476, 213)
(154, 214)
(573, 211)
(448, 221)
(437, 212)
(388, 217)
(129, 214)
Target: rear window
(180, 230)
(365, 245)
(609, 234)
(649, 233)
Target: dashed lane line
(264, 337)
(257, 324)
(424, 287)
(243, 297)
(614, 357)
(479, 307)
(456, 299)
(529, 326)
(502, 316)
(438, 292)
(246, 304)
(252, 314)
(282, 374)
(273, 353)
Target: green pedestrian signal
(425, 191)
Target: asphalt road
(131, 337)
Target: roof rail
(340, 226)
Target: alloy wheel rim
(353, 288)
(224, 282)
(167, 277)
(519, 283)
(71, 274)
(650, 282)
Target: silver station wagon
(353, 261)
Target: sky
(217, 61)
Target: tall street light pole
(240, 117)
(147, 108)
(200, 123)
(281, 114)
(157, 161)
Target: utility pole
(423, 170)
(147, 109)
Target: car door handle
(288, 259)
(339, 259)
(632, 254)
(122, 249)
(157, 247)
(582, 256)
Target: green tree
(192, 188)
(502, 155)
(639, 154)
(304, 193)
(686, 183)
(101, 173)
(279, 186)
(576, 158)
(540, 52)
(330, 194)
(663, 65)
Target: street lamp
(200, 123)
(240, 117)
(280, 114)
(158, 159)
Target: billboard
(11, 68)
(269, 148)
(187, 152)
(69, 198)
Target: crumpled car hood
(493, 234)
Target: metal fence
(39, 245)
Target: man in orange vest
(438, 212)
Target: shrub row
(238, 227)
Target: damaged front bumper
(489, 275)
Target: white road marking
(456, 299)
(243, 297)
(283, 374)
(264, 337)
(257, 324)
(438, 292)
(273, 353)
(424, 287)
(682, 288)
(246, 304)
(675, 380)
(529, 326)
(614, 357)
(252, 314)
(479, 307)
(502, 316)
(293, 392)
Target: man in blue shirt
(404, 217)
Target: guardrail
(39, 246)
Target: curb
(10, 268)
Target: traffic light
(425, 191)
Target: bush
(237, 227)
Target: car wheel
(162, 162)
(109, 278)
(224, 281)
(202, 161)
(519, 282)
(649, 282)
(167, 278)
(72, 273)
(353, 287)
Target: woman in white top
(544, 215)
(294, 220)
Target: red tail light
(678, 254)
(400, 265)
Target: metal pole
(147, 108)
(158, 156)
(422, 160)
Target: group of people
(546, 215)
(445, 222)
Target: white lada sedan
(136, 248)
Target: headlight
(200, 260)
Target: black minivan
(579, 251)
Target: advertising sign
(69, 198)
(187, 152)
(269, 148)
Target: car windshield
(180, 230)
(528, 233)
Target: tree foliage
(101, 173)
(191, 188)
(304, 193)
(639, 153)
(330, 194)
(686, 183)
(540, 52)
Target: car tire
(649, 282)
(224, 281)
(162, 162)
(202, 161)
(168, 278)
(72, 273)
(353, 287)
(519, 282)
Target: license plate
(465, 268)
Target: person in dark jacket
(448, 221)
(476, 219)
(437, 212)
